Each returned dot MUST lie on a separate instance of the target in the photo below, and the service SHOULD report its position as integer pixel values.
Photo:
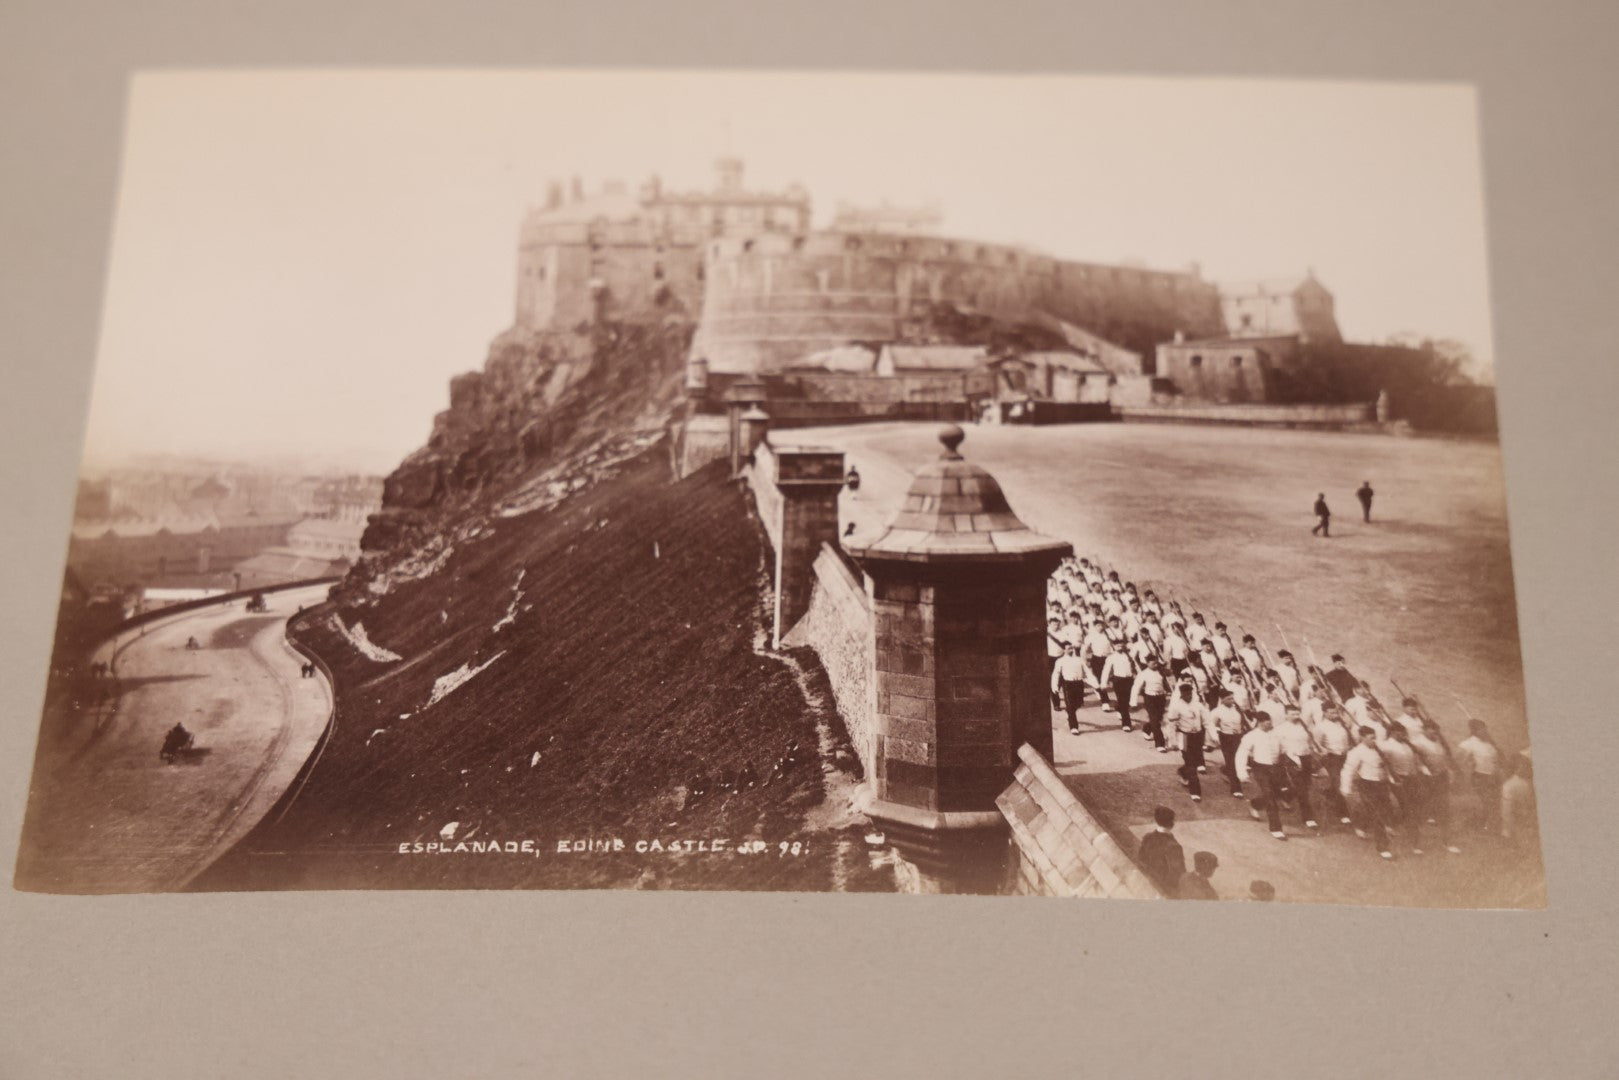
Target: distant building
(637, 256)
(1298, 307)
(177, 553)
(1227, 369)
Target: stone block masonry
(837, 626)
(1061, 849)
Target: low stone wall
(1061, 849)
(838, 627)
(1323, 416)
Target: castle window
(657, 271)
(1197, 361)
(747, 245)
(1247, 322)
(1236, 361)
(851, 243)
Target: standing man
(1429, 743)
(1189, 718)
(1260, 755)
(1323, 516)
(1364, 494)
(1160, 855)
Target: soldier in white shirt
(1429, 743)
(1176, 649)
(1478, 761)
(1095, 650)
(1151, 692)
(1366, 776)
(1196, 631)
(1360, 713)
(1227, 724)
(1408, 773)
(1287, 669)
(1189, 718)
(1298, 762)
(1249, 655)
(1222, 643)
(1119, 673)
(1068, 683)
(1332, 736)
(1259, 756)
(1519, 822)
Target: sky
(301, 260)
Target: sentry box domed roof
(955, 511)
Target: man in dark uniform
(1161, 856)
(1323, 516)
(1364, 494)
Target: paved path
(1423, 594)
(106, 814)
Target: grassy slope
(630, 674)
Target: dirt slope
(619, 684)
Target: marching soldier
(1189, 718)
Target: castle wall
(771, 299)
(646, 275)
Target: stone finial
(952, 437)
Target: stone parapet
(1062, 850)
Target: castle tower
(958, 595)
(729, 173)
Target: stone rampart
(1061, 849)
(770, 299)
(838, 627)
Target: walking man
(1228, 724)
(1189, 718)
(1478, 760)
(1323, 516)
(1364, 494)
(1260, 755)
(1366, 775)
(1119, 673)
(1151, 690)
(1068, 683)
(1298, 762)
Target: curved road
(106, 814)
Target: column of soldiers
(1280, 728)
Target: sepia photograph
(1038, 485)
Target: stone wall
(1061, 849)
(1322, 416)
(838, 627)
(771, 299)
